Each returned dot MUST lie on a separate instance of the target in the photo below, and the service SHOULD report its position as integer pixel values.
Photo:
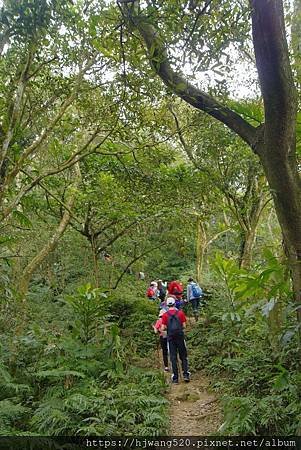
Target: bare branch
(125, 229)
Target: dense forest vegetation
(160, 137)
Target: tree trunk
(50, 245)
(277, 148)
(296, 40)
(43, 253)
(275, 323)
(285, 186)
(200, 248)
(249, 233)
(95, 260)
(247, 246)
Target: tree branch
(201, 12)
(37, 143)
(74, 159)
(182, 139)
(16, 109)
(53, 241)
(178, 84)
(125, 229)
(133, 261)
(216, 236)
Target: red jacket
(175, 288)
(180, 314)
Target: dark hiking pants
(177, 345)
(195, 303)
(164, 347)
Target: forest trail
(194, 411)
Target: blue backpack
(196, 290)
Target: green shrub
(253, 364)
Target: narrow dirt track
(194, 410)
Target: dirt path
(194, 410)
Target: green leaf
(59, 373)
(22, 219)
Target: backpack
(150, 293)
(196, 290)
(177, 288)
(162, 292)
(174, 325)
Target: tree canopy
(148, 137)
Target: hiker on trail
(175, 288)
(161, 290)
(174, 321)
(163, 306)
(152, 291)
(163, 339)
(194, 294)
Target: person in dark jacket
(161, 290)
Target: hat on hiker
(154, 283)
(170, 301)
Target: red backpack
(150, 293)
(177, 288)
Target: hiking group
(172, 321)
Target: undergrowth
(248, 345)
(69, 368)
